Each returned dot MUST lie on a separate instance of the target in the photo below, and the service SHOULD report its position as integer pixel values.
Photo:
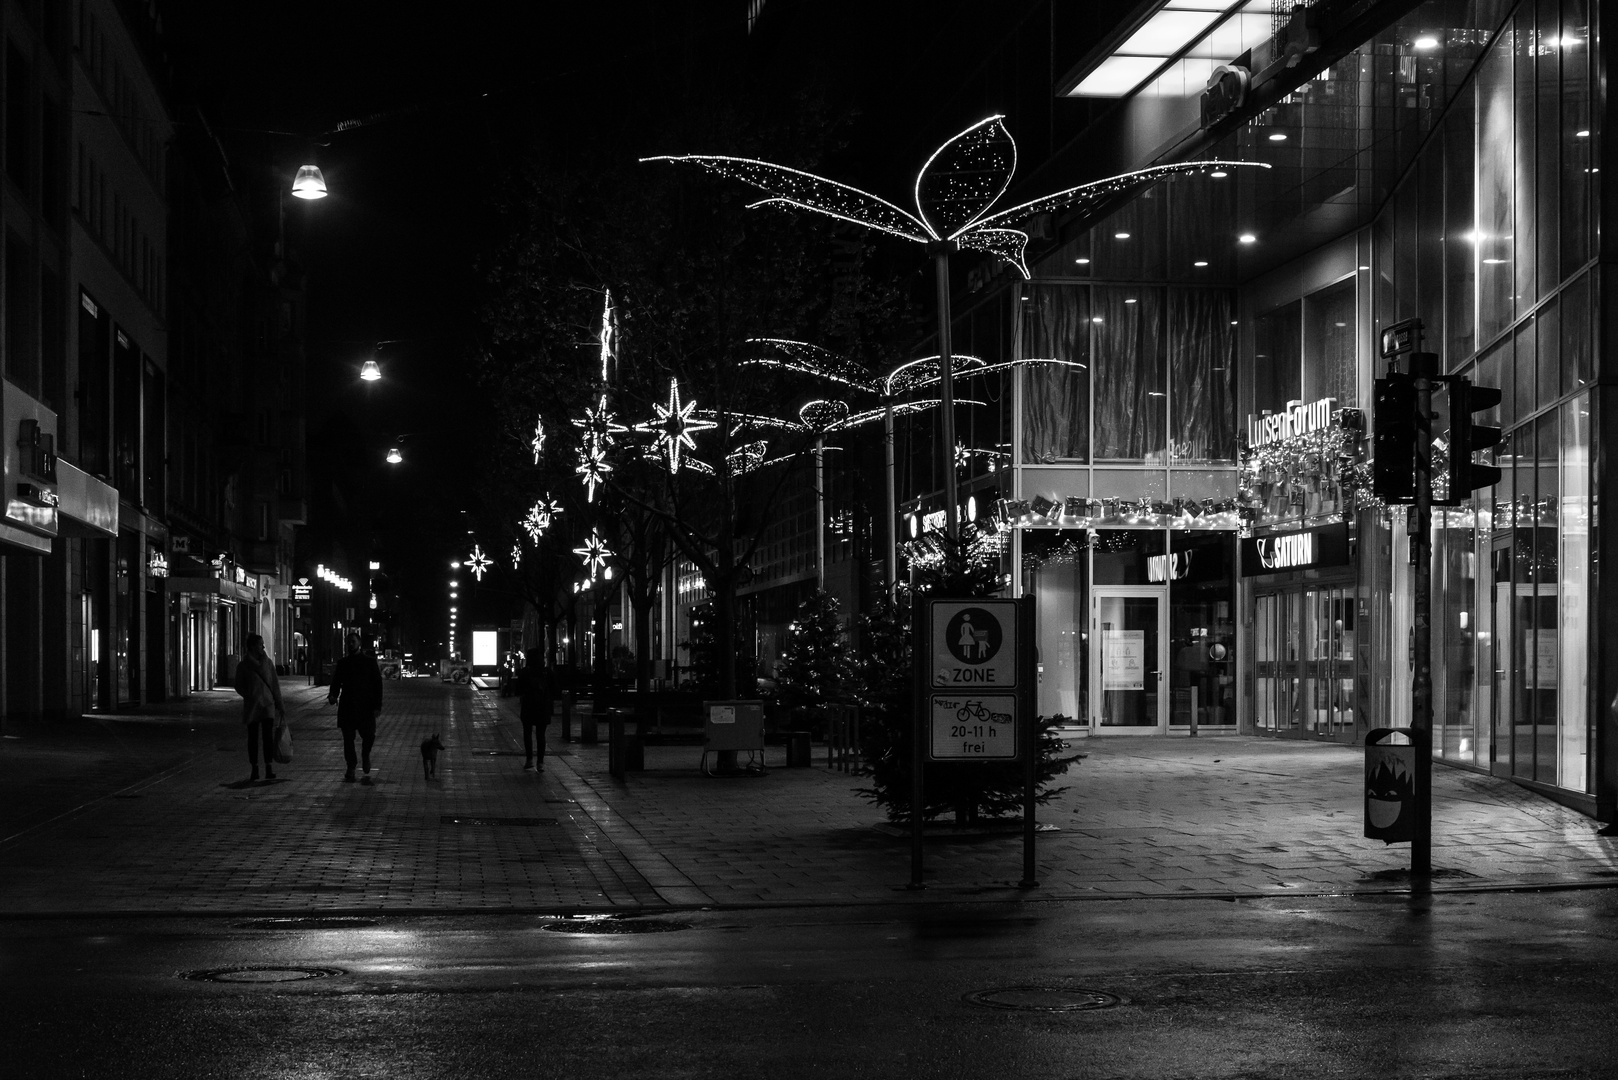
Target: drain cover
(306, 923)
(260, 974)
(613, 924)
(1043, 998)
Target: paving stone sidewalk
(1139, 817)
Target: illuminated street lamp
(309, 183)
(394, 457)
(371, 371)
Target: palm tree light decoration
(954, 192)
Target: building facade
(1190, 502)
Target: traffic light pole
(1423, 366)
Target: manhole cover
(308, 923)
(260, 974)
(451, 819)
(1043, 998)
(612, 924)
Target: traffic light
(1393, 438)
(1467, 437)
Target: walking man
(356, 688)
(534, 686)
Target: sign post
(975, 702)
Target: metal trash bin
(797, 749)
(1390, 785)
(587, 722)
(624, 750)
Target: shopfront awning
(212, 586)
(89, 507)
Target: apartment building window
(94, 375)
(154, 451)
(22, 348)
(19, 125)
(126, 372)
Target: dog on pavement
(430, 747)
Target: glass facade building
(1189, 502)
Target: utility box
(1390, 785)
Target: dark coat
(356, 686)
(534, 687)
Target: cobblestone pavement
(151, 812)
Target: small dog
(430, 747)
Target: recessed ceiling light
(1248, 238)
(1494, 262)
(1278, 136)
(1120, 236)
(1131, 300)
(1235, 322)
(1200, 262)
(1082, 261)
(1095, 318)
(1426, 41)
(1584, 134)
(1155, 393)
(1219, 174)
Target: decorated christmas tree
(815, 667)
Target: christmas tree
(815, 667)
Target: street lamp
(371, 371)
(309, 184)
(394, 457)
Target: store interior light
(1200, 262)
(1120, 236)
(1278, 136)
(1425, 41)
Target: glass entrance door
(1328, 661)
(1275, 662)
(1128, 657)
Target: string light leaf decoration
(915, 374)
(595, 554)
(807, 359)
(747, 457)
(675, 426)
(954, 192)
(824, 414)
(478, 562)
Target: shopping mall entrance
(1304, 637)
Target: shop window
(1492, 235)
(1056, 409)
(1130, 394)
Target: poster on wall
(1123, 659)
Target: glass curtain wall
(1495, 260)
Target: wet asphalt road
(1514, 985)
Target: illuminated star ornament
(516, 554)
(593, 467)
(595, 554)
(954, 192)
(478, 563)
(538, 441)
(609, 338)
(540, 516)
(675, 425)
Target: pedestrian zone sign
(974, 644)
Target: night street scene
(807, 538)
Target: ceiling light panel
(1191, 29)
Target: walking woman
(262, 710)
(534, 686)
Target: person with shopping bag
(356, 689)
(262, 710)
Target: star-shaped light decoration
(539, 517)
(593, 467)
(595, 554)
(598, 426)
(538, 441)
(478, 562)
(675, 426)
(516, 554)
(954, 192)
(962, 455)
(609, 337)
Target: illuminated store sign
(158, 565)
(1304, 550)
(1296, 419)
